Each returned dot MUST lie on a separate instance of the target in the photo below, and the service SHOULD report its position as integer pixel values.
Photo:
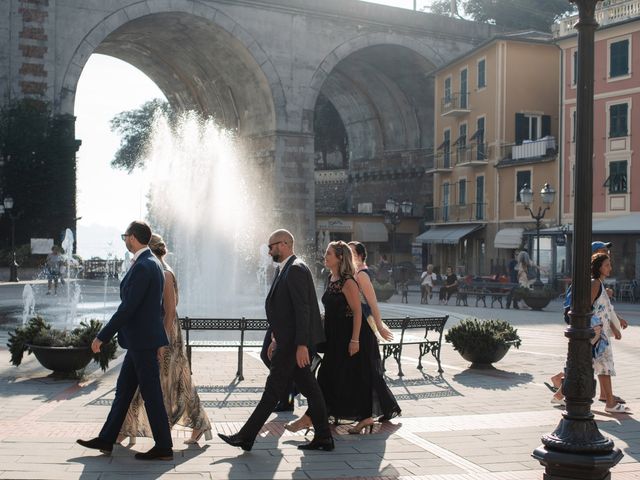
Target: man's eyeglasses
(124, 236)
(271, 245)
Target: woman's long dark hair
(596, 262)
(361, 250)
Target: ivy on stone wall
(38, 170)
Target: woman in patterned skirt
(180, 395)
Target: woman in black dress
(350, 375)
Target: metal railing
(472, 153)
(468, 212)
(458, 101)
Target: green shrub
(472, 334)
(39, 332)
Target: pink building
(616, 165)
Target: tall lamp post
(13, 265)
(393, 213)
(548, 194)
(576, 449)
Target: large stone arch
(231, 78)
(379, 84)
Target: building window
(523, 177)
(463, 88)
(481, 153)
(447, 90)
(480, 198)
(482, 82)
(462, 192)
(447, 149)
(575, 68)
(531, 127)
(617, 181)
(573, 126)
(618, 120)
(619, 58)
(445, 201)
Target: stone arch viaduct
(257, 65)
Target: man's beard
(276, 258)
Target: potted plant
(63, 351)
(535, 298)
(384, 291)
(483, 342)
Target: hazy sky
(107, 198)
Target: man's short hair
(286, 236)
(141, 230)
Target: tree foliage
(510, 14)
(135, 127)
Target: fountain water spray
(212, 207)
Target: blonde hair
(346, 267)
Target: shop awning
(370, 232)
(508, 238)
(449, 234)
(623, 224)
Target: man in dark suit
(139, 325)
(295, 328)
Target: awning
(370, 232)
(508, 238)
(623, 224)
(449, 235)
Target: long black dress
(353, 386)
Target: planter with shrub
(483, 342)
(535, 298)
(63, 351)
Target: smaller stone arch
(344, 50)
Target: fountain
(29, 303)
(211, 206)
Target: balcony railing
(455, 104)
(607, 12)
(442, 161)
(472, 154)
(469, 212)
(545, 147)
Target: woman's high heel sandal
(195, 437)
(122, 438)
(363, 424)
(302, 423)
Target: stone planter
(383, 291)
(64, 360)
(536, 302)
(484, 358)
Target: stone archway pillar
(294, 188)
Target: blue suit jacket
(139, 318)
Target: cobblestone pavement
(465, 424)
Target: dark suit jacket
(292, 307)
(139, 318)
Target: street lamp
(13, 265)
(393, 213)
(576, 448)
(548, 194)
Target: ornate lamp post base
(571, 466)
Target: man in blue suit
(139, 325)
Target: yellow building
(496, 129)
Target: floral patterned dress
(181, 398)
(602, 350)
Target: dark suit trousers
(139, 369)
(290, 392)
(283, 369)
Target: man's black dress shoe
(97, 444)
(156, 454)
(325, 444)
(284, 407)
(237, 441)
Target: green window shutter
(522, 128)
(619, 58)
(546, 125)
